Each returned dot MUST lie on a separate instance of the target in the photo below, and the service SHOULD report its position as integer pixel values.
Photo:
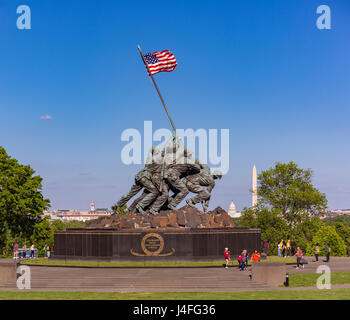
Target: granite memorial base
(271, 273)
(155, 244)
(8, 273)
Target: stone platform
(7, 271)
(180, 235)
(185, 217)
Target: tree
(288, 189)
(42, 234)
(327, 235)
(274, 227)
(343, 230)
(341, 218)
(21, 199)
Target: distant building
(338, 212)
(92, 206)
(70, 214)
(232, 211)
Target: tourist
(293, 246)
(239, 259)
(15, 251)
(241, 263)
(299, 255)
(32, 251)
(242, 260)
(227, 257)
(328, 252)
(47, 250)
(266, 247)
(24, 252)
(280, 246)
(246, 257)
(317, 251)
(283, 248)
(255, 257)
(288, 248)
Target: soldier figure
(143, 179)
(175, 172)
(196, 183)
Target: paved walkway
(160, 279)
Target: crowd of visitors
(242, 258)
(31, 252)
(285, 249)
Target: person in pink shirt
(299, 255)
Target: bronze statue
(171, 169)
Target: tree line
(290, 208)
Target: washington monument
(254, 188)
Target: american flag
(160, 61)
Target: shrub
(327, 234)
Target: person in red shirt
(227, 257)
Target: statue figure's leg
(182, 192)
(161, 199)
(132, 207)
(150, 197)
(202, 195)
(125, 198)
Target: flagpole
(155, 85)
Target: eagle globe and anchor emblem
(152, 244)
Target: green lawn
(79, 263)
(309, 279)
(334, 294)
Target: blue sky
(259, 68)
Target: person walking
(328, 252)
(288, 248)
(239, 259)
(245, 259)
(48, 251)
(24, 252)
(266, 247)
(317, 251)
(227, 257)
(299, 256)
(284, 249)
(32, 247)
(293, 246)
(242, 261)
(15, 251)
(46, 246)
(279, 248)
